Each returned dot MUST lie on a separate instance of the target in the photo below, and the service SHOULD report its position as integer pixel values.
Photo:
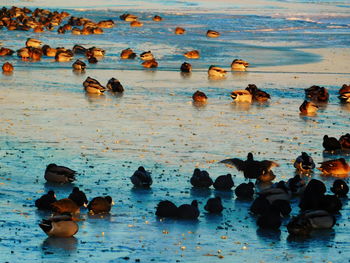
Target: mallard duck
(136, 23)
(331, 203)
(128, 17)
(241, 96)
(65, 205)
(276, 192)
(166, 209)
(63, 56)
(251, 169)
(213, 34)
(186, 67)
(239, 65)
(179, 31)
(59, 174)
(7, 67)
(340, 188)
(150, 64)
(258, 94)
(157, 18)
(78, 49)
(6, 51)
(317, 93)
(93, 86)
(100, 205)
(38, 29)
(187, 211)
(344, 97)
(193, 54)
(216, 72)
(331, 144)
(245, 190)
(79, 65)
(115, 85)
(201, 179)
(296, 185)
(312, 195)
(304, 163)
(97, 30)
(76, 31)
(260, 205)
(308, 107)
(199, 96)
(35, 53)
(146, 55)
(59, 226)
(344, 89)
(106, 24)
(45, 201)
(224, 182)
(267, 177)
(214, 205)
(127, 54)
(344, 141)
(335, 167)
(23, 53)
(270, 218)
(141, 178)
(49, 51)
(92, 60)
(32, 42)
(78, 197)
(95, 52)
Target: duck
(296, 185)
(344, 97)
(93, 86)
(166, 208)
(49, 51)
(76, 31)
(106, 23)
(92, 60)
(186, 67)
(260, 205)
(241, 96)
(23, 53)
(193, 54)
(63, 56)
(214, 205)
(79, 65)
(251, 168)
(224, 182)
(179, 31)
(245, 190)
(199, 96)
(95, 52)
(100, 205)
(32, 42)
(305, 222)
(59, 174)
(317, 93)
(340, 188)
(277, 192)
(35, 53)
(331, 203)
(78, 197)
(239, 65)
(146, 56)
(65, 205)
(331, 144)
(344, 89)
(216, 72)
(308, 108)
(59, 226)
(127, 54)
(213, 34)
(258, 94)
(201, 179)
(78, 49)
(6, 51)
(270, 218)
(150, 64)
(141, 178)
(304, 163)
(115, 85)
(128, 17)
(335, 167)
(45, 201)
(157, 18)
(7, 67)
(266, 177)
(312, 195)
(187, 211)
(136, 23)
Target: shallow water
(46, 117)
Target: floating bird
(23, 53)
(201, 179)
(308, 107)
(106, 23)
(136, 23)
(199, 96)
(245, 190)
(59, 174)
(45, 201)
(115, 85)
(216, 72)
(95, 52)
(166, 209)
(59, 226)
(193, 54)
(317, 93)
(241, 96)
(186, 67)
(251, 169)
(127, 54)
(180, 31)
(304, 163)
(150, 63)
(296, 185)
(78, 49)
(128, 17)
(141, 178)
(258, 94)
(93, 86)
(65, 205)
(78, 197)
(335, 167)
(79, 65)
(340, 188)
(63, 56)
(224, 182)
(146, 55)
(344, 97)
(187, 211)
(331, 144)
(92, 60)
(100, 205)
(214, 205)
(6, 51)
(49, 51)
(213, 34)
(32, 42)
(157, 18)
(271, 218)
(7, 67)
(239, 65)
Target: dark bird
(251, 169)
(344, 141)
(127, 54)
(245, 190)
(317, 93)
(166, 209)
(340, 188)
(258, 94)
(59, 174)
(59, 226)
(304, 163)
(271, 218)
(331, 144)
(45, 201)
(78, 197)
(186, 67)
(214, 205)
(224, 182)
(100, 205)
(201, 179)
(79, 65)
(187, 211)
(199, 96)
(93, 86)
(141, 178)
(65, 206)
(115, 85)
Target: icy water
(46, 117)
